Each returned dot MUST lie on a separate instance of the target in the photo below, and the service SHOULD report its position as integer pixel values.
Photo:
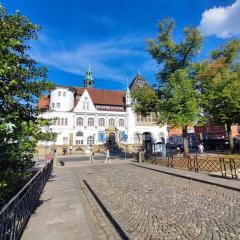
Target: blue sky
(111, 35)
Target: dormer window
(64, 94)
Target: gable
(137, 82)
(85, 103)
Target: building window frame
(79, 121)
(121, 122)
(101, 122)
(101, 136)
(79, 134)
(91, 122)
(79, 142)
(90, 140)
(111, 122)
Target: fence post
(234, 169)
(189, 164)
(224, 167)
(196, 164)
(221, 166)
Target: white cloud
(224, 22)
(100, 54)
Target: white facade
(79, 123)
(61, 99)
(134, 130)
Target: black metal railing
(15, 214)
(224, 167)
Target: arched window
(101, 122)
(121, 122)
(91, 122)
(111, 122)
(79, 121)
(79, 134)
(90, 140)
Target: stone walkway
(148, 205)
(122, 201)
(200, 177)
(60, 215)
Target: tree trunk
(230, 137)
(185, 141)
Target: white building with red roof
(85, 117)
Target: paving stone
(153, 205)
(60, 215)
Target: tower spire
(88, 81)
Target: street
(85, 157)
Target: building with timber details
(87, 117)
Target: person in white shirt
(201, 148)
(91, 159)
(107, 156)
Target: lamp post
(47, 130)
(167, 145)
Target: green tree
(219, 83)
(21, 83)
(177, 99)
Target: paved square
(151, 205)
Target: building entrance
(111, 138)
(147, 143)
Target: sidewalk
(60, 214)
(200, 177)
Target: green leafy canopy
(176, 102)
(22, 81)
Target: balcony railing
(15, 214)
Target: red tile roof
(98, 96)
(43, 102)
(104, 97)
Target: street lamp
(47, 130)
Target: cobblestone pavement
(143, 204)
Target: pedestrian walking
(91, 159)
(164, 152)
(178, 150)
(107, 156)
(200, 148)
(64, 151)
(70, 149)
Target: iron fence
(224, 167)
(15, 214)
